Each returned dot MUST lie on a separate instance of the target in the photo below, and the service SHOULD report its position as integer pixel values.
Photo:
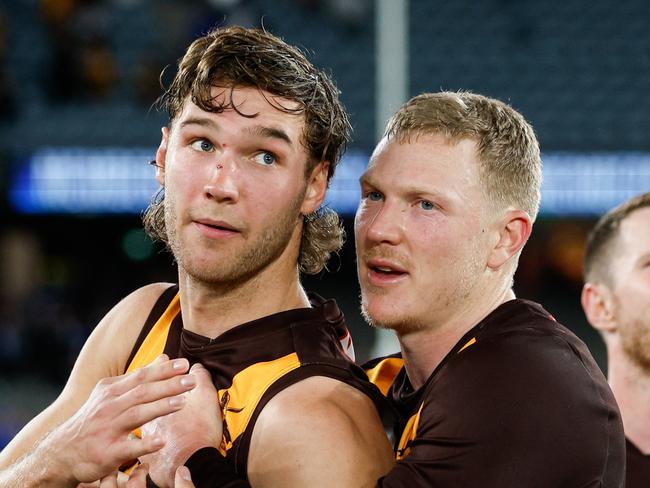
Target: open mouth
(385, 270)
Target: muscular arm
(34, 458)
(318, 433)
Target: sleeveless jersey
(254, 361)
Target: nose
(222, 184)
(382, 225)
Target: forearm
(41, 467)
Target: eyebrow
(270, 132)
(257, 130)
(202, 121)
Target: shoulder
(120, 327)
(528, 389)
(529, 363)
(523, 341)
(293, 428)
(316, 395)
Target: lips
(216, 229)
(385, 271)
(385, 266)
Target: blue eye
(427, 205)
(374, 196)
(203, 145)
(265, 158)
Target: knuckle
(139, 392)
(109, 391)
(140, 374)
(137, 411)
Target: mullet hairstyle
(239, 57)
(601, 239)
(510, 167)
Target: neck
(424, 349)
(211, 309)
(631, 387)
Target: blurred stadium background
(78, 78)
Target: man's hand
(96, 439)
(197, 425)
(138, 479)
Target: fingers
(161, 369)
(146, 402)
(138, 478)
(202, 375)
(183, 479)
(135, 448)
(109, 481)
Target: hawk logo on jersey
(226, 441)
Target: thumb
(183, 479)
(202, 375)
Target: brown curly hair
(239, 57)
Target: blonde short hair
(508, 151)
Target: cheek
(185, 178)
(362, 219)
(357, 225)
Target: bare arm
(319, 433)
(35, 458)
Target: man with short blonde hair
(491, 390)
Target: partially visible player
(616, 300)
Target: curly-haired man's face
(235, 188)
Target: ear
(316, 188)
(513, 231)
(161, 156)
(598, 304)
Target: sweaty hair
(239, 57)
(510, 167)
(601, 239)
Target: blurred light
(83, 181)
(136, 245)
(592, 183)
(115, 180)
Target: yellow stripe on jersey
(410, 431)
(408, 435)
(471, 342)
(154, 344)
(383, 373)
(238, 402)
